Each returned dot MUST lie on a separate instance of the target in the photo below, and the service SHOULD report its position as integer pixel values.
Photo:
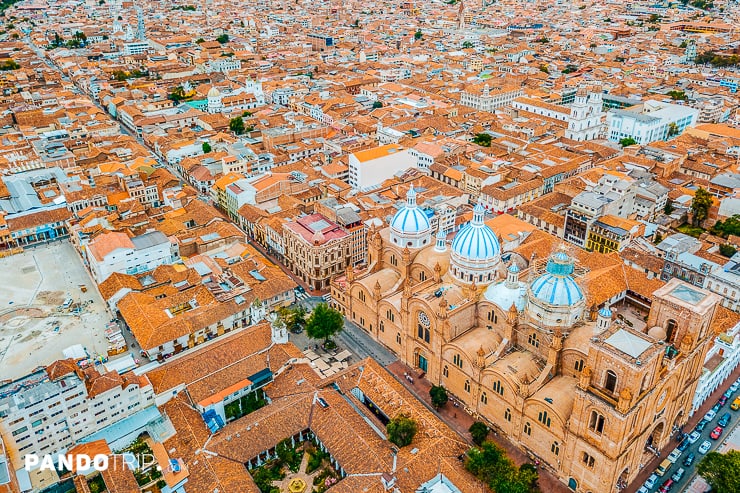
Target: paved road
(690, 471)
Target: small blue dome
(410, 219)
(556, 286)
(513, 268)
(475, 240)
(605, 312)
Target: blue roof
(605, 312)
(556, 286)
(475, 240)
(410, 220)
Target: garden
(245, 405)
(299, 468)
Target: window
(492, 317)
(588, 460)
(361, 295)
(398, 338)
(422, 276)
(543, 418)
(381, 326)
(579, 365)
(507, 414)
(389, 315)
(498, 388)
(610, 383)
(484, 398)
(394, 261)
(423, 333)
(555, 448)
(446, 371)
(532, 339)
(596, 422)
(457, 360)
(528, 428)
(467, 385)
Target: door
(423, 363)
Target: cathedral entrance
(653, 440)
(422, 363)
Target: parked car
(678, 474)
(685, 443)
(735, 404)
(666, 486)
(643, 490)
(734, 387)
(702, 424)
(722, 401)
(650, 482)
(689, 459)
(716, 407)
(716, 433)
(673, 456)
(710, 415)
(695, 435)
(728, 393)
(724, 420)
(705, 446)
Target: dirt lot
(34, 328)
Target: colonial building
(526, 348)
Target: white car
(710, 415)
(694, 437)
(643, 490)
(650, 482)
(734, 387)
(673, 457)
(705, 446)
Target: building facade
(588, 395)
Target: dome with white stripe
(475, 251)
(555, 298)
(410, 226)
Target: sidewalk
(690, 424)
(457, 419)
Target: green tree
(439, 396)
(479, 432)
(490, 464)
(236, 125)
(627, 141)
(9, 65)
(324, 323)
(206, 147)
(668, 209)
(543, 68)
(293, 318)
(727, 250)
(177, 94)
(467, 44)
(223, 39)
(401, 430)
(677, 95)
(377, 104)
(673, 129)
(288, 455)
(199, 41)
(418, 34)
(483, 139)
(730, 226)
(683, 44)
(700, 205)
(721, 471)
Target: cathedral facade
(518, 344)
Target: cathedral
(522, 346)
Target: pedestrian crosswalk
(301, 296)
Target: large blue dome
(475, 240)
(410, 219)
(556, 286)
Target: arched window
(389, 315)
(670, 329)
(543, 418)
(446, 371)
(457, 360)
(507, 414)
(422, 276)
(579, 365)
(532, 339)
(596, 422)
(497, 387)
(381, 326)
(467, 385)
(361, 295)
(555, 448)
(398, 338)
(528, 428)
(610, 382)
(492, 317)
(484, 398)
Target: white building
(487, 99)
(117, 252)
(135, 48)
(650, 121)
(372, 167)
(52, 409)
(720, 362)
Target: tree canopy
(490, 464)
(483, 140)
(206, 147)
(293, 318)
(236, 125)
(223, 39)
(324, 323)
(730, 226)
(479, 432)
(627, 141)
(721, 471)
(438, 395)
(700, 205)
(401, 430)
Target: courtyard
(48, 302)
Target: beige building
(316, 249)
(540, 360)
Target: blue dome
(410, 219)
(605, 312)
(504, 296)
(556, 286)
(476, 241)
(513, 268)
